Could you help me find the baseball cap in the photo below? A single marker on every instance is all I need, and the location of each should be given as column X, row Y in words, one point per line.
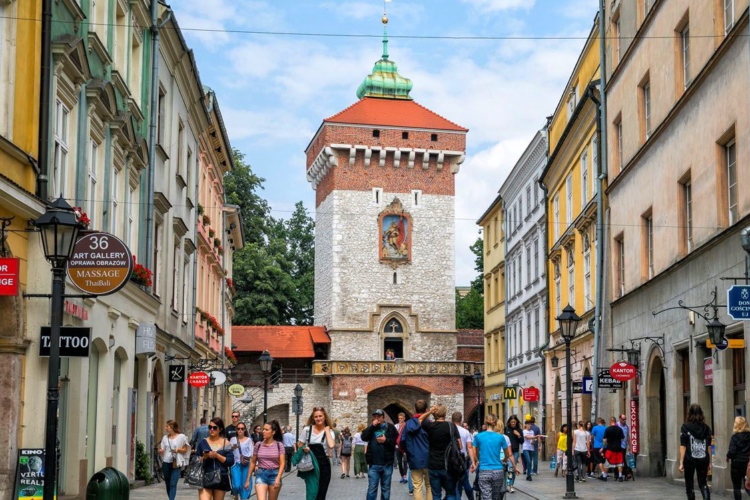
column 379, row 413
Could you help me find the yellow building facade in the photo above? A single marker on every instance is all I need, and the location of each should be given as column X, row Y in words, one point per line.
column 570, row 180
column 494, row 307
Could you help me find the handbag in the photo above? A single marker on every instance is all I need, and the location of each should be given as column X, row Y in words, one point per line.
column 305, row 463
column 194, row 476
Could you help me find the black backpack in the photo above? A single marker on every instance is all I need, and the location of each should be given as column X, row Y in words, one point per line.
column 455, row 464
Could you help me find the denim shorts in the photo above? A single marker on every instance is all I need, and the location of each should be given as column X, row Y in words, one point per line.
column 266, row 476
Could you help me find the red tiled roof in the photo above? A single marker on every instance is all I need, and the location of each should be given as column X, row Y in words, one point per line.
column 393, row 113
column 280, row 341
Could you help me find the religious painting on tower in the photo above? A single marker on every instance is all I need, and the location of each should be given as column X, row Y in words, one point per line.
column 395, row 234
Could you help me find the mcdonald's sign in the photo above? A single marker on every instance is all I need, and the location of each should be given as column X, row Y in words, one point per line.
column 510, row 393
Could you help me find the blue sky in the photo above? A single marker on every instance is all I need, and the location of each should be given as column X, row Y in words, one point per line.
column 275, row 90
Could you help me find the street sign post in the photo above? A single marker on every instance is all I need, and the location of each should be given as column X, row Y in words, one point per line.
column 738, row 302
column 101, row 264
column 588, row 385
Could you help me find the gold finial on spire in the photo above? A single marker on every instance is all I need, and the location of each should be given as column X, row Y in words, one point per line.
column 385, row 12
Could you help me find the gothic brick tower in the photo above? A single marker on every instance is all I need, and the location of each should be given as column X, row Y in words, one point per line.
column 383, row 171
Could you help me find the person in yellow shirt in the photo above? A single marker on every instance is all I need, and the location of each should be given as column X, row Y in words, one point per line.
column 562, row 448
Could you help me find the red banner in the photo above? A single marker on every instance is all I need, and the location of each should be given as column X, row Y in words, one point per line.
column 9, row 271
column 633, row 438
column 531, row 394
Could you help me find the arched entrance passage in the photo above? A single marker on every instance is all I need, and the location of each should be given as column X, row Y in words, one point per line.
column 395, row 399
column 558, row 417
column 586, row 400
column 279, row 413
column 654, row 442
column 157, row 407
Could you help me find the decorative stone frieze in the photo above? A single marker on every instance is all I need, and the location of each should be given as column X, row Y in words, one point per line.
column 396, row 368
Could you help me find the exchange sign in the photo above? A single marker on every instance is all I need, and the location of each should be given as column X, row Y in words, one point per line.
column 101, row 264
column 622, row 371
column 9, row 269
column 199, row 379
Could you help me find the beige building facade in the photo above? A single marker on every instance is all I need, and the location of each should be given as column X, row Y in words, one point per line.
column 677, row 113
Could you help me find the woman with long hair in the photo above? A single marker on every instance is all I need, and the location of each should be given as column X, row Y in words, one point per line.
column 515, row 435
column 360, row 448
column 739, row 454
column 346, row 446
column 269, row 457
column 562, row 448
column 488, row 454
column 243, row 453
column 317, row 437
column 172, row 444
column 217, row 454
column 695, row 453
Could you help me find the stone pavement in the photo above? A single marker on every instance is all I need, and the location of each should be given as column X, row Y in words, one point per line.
column 543, row 487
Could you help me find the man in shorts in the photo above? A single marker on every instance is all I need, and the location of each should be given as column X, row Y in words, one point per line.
column 597, row 436
column 614, row 455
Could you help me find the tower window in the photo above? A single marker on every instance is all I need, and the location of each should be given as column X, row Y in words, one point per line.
column 395, row 278
column 376, row 133
column 417, row 195
column 377, row 195
column 393, row 349
column 433, row 137
column 404, row 135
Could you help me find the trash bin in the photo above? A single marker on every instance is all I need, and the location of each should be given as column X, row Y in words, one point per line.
column 108, row 484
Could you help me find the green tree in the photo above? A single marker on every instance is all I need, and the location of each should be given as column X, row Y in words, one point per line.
column 300, row 238
column 470, row 308
column 241, row 188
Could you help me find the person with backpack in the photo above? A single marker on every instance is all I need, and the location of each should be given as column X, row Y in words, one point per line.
column 381, row 438
column 413, row 441
column 445, row 453
column 695, row 453
column 345, row 451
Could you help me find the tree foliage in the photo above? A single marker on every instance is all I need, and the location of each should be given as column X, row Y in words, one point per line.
column 470, row 308
column 274, row 272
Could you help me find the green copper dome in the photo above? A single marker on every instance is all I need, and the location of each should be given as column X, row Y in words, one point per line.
column 385, row 80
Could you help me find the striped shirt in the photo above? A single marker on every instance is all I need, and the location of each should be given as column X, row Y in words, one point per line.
column 268, row 455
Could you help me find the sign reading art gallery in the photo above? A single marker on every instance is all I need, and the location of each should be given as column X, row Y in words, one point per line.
column 101, row 264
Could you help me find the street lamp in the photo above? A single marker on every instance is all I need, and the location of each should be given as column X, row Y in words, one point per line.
column 478, row 383
column 298, row 408
column 555, row 361
column 265, row 361
column 715, row 331
column 59, row 229
column 634, row 355
column 568, row 322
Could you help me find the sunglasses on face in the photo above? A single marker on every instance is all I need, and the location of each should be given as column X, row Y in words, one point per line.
column 241, row 429
column 213, row 428
column 235, row 416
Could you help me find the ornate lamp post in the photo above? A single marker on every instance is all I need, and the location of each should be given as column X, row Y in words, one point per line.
column 298, row 406
column 265, row 361
column 568, row 322
column 478, row 383
column 59, row 228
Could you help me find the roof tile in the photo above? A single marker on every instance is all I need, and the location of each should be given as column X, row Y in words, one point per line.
column 393, row 113
column 280, row 341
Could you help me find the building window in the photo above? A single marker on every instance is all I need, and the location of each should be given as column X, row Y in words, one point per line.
column 114, row 196
column 536, row 258
column 404, row 135
column 648, row 242
column 180, row 143
column 536, row 191
column 188, row 164
column 157, row 258
column 685, row 54
column 130, row 237
column 528, row 200
column 556, row 216
column 528, row 265
column 618, row 142
column 377, row 195
column 417, row 195
column 557, row 289
column 728, row 15
column 528, row 331
column 571, row 280
column 520, row 209
column 433, row 137
column 646, row 89
column 91, row 184
column 616, row 38
column 687, row 196
column 161, row 112
column 586, row 272
column 584, row 179
column 185, row 295
column 536, row 327
column 572, row 101
column 620, row 283
column 175, row 275
column 569, row 200
column 62, row 122
column 730, row 153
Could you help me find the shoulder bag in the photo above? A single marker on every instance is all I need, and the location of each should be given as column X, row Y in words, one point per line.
column 218, row 478
column 194, row 476
column 305, row 463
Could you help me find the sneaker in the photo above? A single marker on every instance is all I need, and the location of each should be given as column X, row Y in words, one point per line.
column 343, row 476
column 512, row 489
column 347, row 476
column 603, row 478
column 411, row 493
column 583, row 479
column 620, row 479
column 591, row 475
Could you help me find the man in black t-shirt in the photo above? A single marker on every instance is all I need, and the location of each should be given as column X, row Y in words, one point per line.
column 231, row 430
column 612, row 451
column 381, row 448
column 439, row 436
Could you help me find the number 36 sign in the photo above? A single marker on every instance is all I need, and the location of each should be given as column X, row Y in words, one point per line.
column 101, row 264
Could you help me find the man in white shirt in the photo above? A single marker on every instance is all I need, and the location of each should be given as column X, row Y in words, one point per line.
column 581, row 450
column 466, row 445
column 290, row 443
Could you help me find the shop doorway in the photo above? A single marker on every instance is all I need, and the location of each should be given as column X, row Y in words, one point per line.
column 654, row 442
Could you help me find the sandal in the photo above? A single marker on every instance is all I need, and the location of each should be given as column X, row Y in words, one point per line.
column 343, row 476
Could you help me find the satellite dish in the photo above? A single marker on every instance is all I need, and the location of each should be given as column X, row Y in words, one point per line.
column 218, row 377
column 247, row 399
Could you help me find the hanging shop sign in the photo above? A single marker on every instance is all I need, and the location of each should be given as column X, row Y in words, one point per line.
column 708, row 371
column 9, row 272
column 578, row 387
column 145, row 339
column 199, row 379
column 510, row 393
column 622, row 371
column 531, row 394
column 74, row 341
column 607, row 382
column 101, row 264
column 236, row 390
column 176, row 373
column 633, row 438
column 30, row 474
column 738, row 302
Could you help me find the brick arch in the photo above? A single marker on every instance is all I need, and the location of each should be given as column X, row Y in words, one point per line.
column 431, row 385
column 395, row 398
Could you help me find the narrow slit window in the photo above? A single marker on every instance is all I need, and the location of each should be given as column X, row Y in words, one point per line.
column 376, row 133
column 404, row 135
column 395, row 278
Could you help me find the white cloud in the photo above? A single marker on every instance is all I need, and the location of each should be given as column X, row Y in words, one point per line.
column 497, row 5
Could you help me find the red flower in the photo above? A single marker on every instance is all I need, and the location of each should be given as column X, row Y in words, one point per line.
column 141, row 275
column 230, row 355
column 82, row 218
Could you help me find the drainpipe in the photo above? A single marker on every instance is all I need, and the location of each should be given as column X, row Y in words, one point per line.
column 505, row 312
column 152, row 125
column 545, row 258
column 600, row 228
column 45, row 89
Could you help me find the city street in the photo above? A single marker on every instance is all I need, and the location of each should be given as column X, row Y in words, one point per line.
column 544, row 486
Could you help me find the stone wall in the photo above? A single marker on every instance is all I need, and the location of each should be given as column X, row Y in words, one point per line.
column 351, row 281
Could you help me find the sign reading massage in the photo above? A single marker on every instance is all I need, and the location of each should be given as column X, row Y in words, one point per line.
column 101, row 264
